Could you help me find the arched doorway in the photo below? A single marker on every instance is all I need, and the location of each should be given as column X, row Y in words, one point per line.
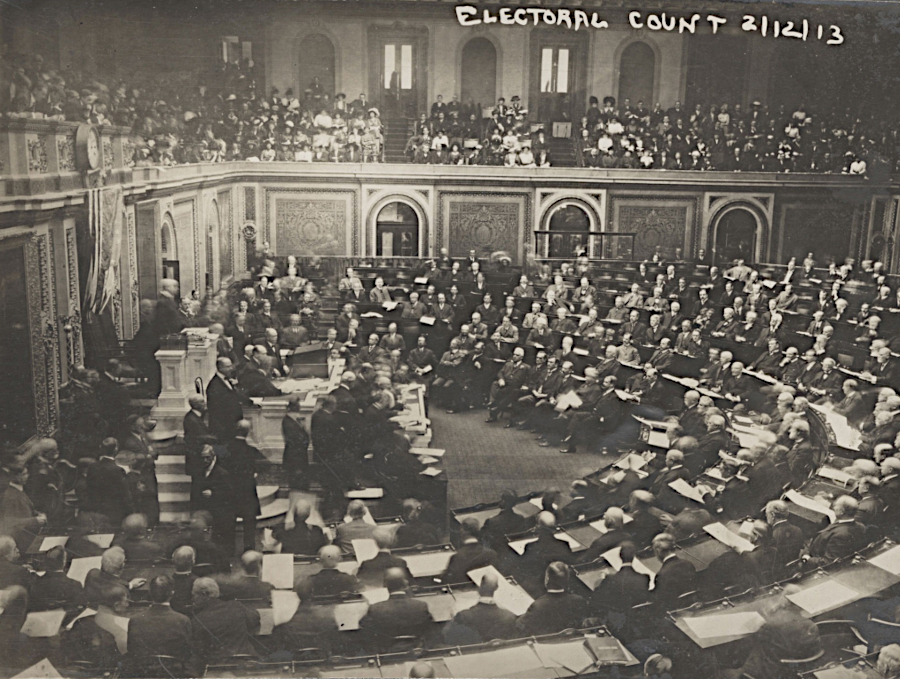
column 573, row 225
column 736, row 236
column 316, row 60
column 637, row 72
column 479, row 73
column 168, row 248
column 397, row 231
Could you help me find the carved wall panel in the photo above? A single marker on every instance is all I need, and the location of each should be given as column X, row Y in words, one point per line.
column 312, row 222
column 484, row 222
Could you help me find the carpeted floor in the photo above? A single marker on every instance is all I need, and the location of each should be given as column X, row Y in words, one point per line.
column 482, row 459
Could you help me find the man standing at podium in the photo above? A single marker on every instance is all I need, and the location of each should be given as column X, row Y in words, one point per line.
column 224, row 401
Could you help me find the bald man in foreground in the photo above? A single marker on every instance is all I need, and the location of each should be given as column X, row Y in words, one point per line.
column 485, row 620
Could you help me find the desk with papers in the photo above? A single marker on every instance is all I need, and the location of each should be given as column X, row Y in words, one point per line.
column 824, row 591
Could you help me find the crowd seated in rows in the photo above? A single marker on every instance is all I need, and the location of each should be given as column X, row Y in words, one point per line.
column 733, row 139
column 221, row 115
column 458, row 135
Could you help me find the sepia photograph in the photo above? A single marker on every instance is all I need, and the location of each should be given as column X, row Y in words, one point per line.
column 467, row 339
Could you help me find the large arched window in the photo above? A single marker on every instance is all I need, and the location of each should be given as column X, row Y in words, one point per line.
column 479, row 73
column 637, row 71
column 569, row 226
column 316, row 60
column 397, row 231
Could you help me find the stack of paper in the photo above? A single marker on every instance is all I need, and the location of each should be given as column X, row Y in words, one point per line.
column 428, row 564
column 729, row 539
column 79, row 568
column 43, row 624
column 278, row 570
column 43, row 670
column 49, row 543
column 823, row 597
column 364, row 549
column 284, row 605
column 836, row 475
column 685, row 489
column 102, row 540
column 888, row 561
column 809, row 503
column 513, row 599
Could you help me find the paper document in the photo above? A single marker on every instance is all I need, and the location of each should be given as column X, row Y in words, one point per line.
column 364, row 549
column 365, row 494
column 43, row 624
column 441, row 606
column 514, row 599
column 348, row 567
column 568, row 400
column 371, row 314
column 428, row 564
column 657, row 439
column 427, row 320
column 808, row 503
column 574, row 545
column 389, row 306
column 43, row 670
column 888, row 561
column 823, row 597
column 86, row 613
column 426, row 459
column 374, row 596
column 685, row 489
column 51, row 542
column 836, row 475
column 570, row 655
column 278, row 570
column 102, row 540
column 79, row 568
column 431, row 452
column 499, row 662
column 431, row 471
column 518, row 546
column 284, row 605
column 729, row 539
column 348, row 614
column 421, row 280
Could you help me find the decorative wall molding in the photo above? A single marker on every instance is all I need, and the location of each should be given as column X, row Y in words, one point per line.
column 486, row 221
column 322, row 213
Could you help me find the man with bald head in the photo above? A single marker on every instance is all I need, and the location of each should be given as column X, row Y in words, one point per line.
column 329, row 581
column 183, row 559
column 421, row 670
column 399, row 616
column 248, row 584
column 540, row 553
column 614, row 521
column 470, row 555
column 484, row 621
column 371, row 572
column 196, row 430
column 355, row 529
column 557, row 608
column 839, row 539
column 220, row 629
column 168, row 319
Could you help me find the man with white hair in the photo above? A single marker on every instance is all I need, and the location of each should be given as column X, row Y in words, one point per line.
column 839, row 539
column 220, row 629
column 169, row 319
column 506, row 387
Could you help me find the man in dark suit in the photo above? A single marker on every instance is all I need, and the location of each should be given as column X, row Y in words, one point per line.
column 169, row 320
column 484, row 621
column 557, row 609
column 12, row 573
column 106, row 489
column 675, row 576
column 247, row 585
column 224, row 401
column 372, row 353
column 839, row 539
column 541, row 553
column 787, row 539
column 470, row 555
column 371, row 572
column 415, row 529
column 183, row 559
column 303, row 538
column 196, row 432
column 54, row 589
column 158, row 630
column 614, row 520
column 508, row 383
column 255, row 377
column 241, row 464
column 625, row 588
column 211, row 491
column 802, row 456
column 399, row 616
column 329, row 442
column 220, row 629
column 507, row 522
column 273, row 351
column 295, row 459
column 668, row 499
column 329, row 581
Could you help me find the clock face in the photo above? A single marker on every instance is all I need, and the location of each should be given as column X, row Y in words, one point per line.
column 93, row 149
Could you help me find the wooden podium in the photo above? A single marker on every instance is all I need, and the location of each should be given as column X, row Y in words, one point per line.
column 181, row 367
column 310, row 360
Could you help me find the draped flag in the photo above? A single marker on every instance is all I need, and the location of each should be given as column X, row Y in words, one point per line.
column 106, row 217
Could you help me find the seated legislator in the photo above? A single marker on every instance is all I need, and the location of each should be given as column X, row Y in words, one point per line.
column 355, row 529
column 329, row 581
column 470, row 555
column 371, row 572
column 675, row 577
column 158, row 630
column 510, row 379
column 54, row 589
column 558, row 608
column 840, row 539
column 302, row 538
column 220, row 629
column 400, row 616
column 626, row 587
column 484, row 621
column 415, row 529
